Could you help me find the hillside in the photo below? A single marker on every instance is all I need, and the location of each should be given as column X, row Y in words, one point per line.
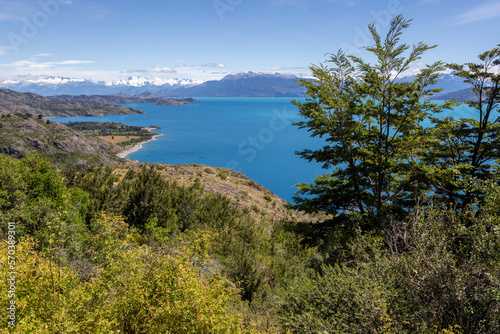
column 114, row 98
column 462, row 95
column 243, row 192
column 21, row 134
column 29, row 103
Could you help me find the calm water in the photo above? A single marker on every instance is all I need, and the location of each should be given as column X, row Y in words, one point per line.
column 251, row 135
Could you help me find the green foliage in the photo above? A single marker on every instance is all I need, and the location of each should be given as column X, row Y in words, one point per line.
column 97, row 182
column 372, row 128
column 440, row 275
column 345, row 300
column 469, row 146
column 223, row 175
column 42, row 180
column 43, row 292
column 33, row 194
column 449, row 271
column 432, row 194
column 112, row 129
column 139, row 291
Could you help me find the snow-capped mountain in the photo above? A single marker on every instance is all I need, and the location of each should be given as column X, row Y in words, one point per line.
column 54, row 85
column 141, row 82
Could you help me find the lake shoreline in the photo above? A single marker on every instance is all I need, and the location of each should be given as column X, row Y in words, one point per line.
column 137, row 147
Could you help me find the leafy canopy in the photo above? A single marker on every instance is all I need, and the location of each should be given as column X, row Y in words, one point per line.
column 371, row 120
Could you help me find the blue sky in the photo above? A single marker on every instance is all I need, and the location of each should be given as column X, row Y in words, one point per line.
column 207, row 39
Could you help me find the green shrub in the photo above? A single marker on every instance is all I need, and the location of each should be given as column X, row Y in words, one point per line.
column 223, row 175
column 345, row 299
column 139, row 291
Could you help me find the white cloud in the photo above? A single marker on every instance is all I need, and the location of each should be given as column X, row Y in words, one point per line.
column 283, row 68
column 154, row 70
column 5, row 49
column 34, row 65
column 41, row 55
column 213, row 65
column 73, row 62
column 483, row 12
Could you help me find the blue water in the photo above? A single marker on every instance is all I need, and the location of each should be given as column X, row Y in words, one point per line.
column 251, row 135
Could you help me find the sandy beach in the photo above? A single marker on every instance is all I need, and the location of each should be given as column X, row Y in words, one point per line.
column 137, row 147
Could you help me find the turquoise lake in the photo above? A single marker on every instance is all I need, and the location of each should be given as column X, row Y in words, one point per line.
column 254, row 136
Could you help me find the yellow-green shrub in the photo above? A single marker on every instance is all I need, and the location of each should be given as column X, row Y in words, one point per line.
column 139, row 290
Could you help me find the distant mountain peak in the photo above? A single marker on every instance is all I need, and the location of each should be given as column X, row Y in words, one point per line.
column 60, row 85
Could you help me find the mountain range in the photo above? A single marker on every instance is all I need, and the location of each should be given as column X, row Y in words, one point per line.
column 247, row 84
column 145, row 97
column 462, row 95
column 52, row 85
column 233, row 85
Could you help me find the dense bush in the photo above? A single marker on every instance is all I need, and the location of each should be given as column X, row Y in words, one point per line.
column 438, row 271
column 139, row 291
column 106, row 251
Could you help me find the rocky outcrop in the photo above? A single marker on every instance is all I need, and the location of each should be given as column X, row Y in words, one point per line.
column 21, row 134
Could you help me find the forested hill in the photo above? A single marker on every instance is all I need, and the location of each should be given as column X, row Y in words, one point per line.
column 462, row 95
column 29, row 103
column 113, row 98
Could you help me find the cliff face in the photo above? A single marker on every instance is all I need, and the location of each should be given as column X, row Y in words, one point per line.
column 29, row 103
column 21, row 134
